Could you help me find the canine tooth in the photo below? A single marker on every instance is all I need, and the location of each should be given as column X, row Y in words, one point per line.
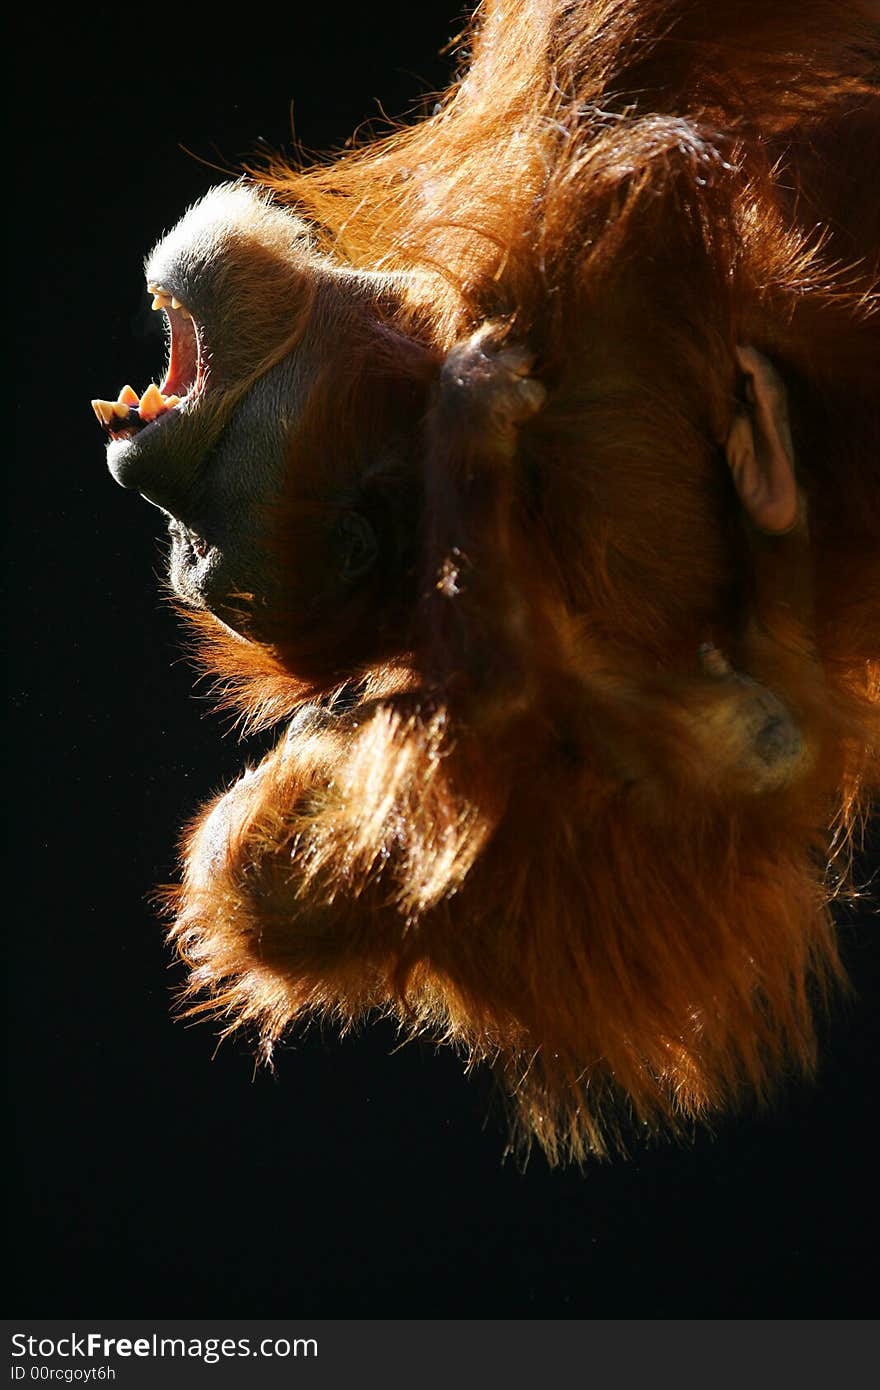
column 161, row 300
column 128, row 396
column 175, row 303
column 152, row 403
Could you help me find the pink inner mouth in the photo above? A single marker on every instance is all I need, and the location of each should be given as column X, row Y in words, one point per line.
column 183, row 378
column 184, row 360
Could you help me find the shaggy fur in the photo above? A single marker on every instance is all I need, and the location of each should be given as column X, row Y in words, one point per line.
column 512, row 806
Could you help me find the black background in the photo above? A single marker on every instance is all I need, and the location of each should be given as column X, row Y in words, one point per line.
column 155, row 1174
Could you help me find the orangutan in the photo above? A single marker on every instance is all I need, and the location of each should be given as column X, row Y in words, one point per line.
column 522, row 468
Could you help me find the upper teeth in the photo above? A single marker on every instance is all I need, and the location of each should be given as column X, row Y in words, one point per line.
column 149, row 406
column 153, row 403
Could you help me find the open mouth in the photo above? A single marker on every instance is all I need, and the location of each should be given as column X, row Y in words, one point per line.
column 184, row 378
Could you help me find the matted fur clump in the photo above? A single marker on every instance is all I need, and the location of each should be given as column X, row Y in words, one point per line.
column 523, row 468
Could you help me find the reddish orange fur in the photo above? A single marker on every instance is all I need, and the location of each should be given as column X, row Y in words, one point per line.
column 518, row 839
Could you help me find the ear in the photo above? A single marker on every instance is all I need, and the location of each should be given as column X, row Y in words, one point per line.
column 759, row 448
column 356, row 546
